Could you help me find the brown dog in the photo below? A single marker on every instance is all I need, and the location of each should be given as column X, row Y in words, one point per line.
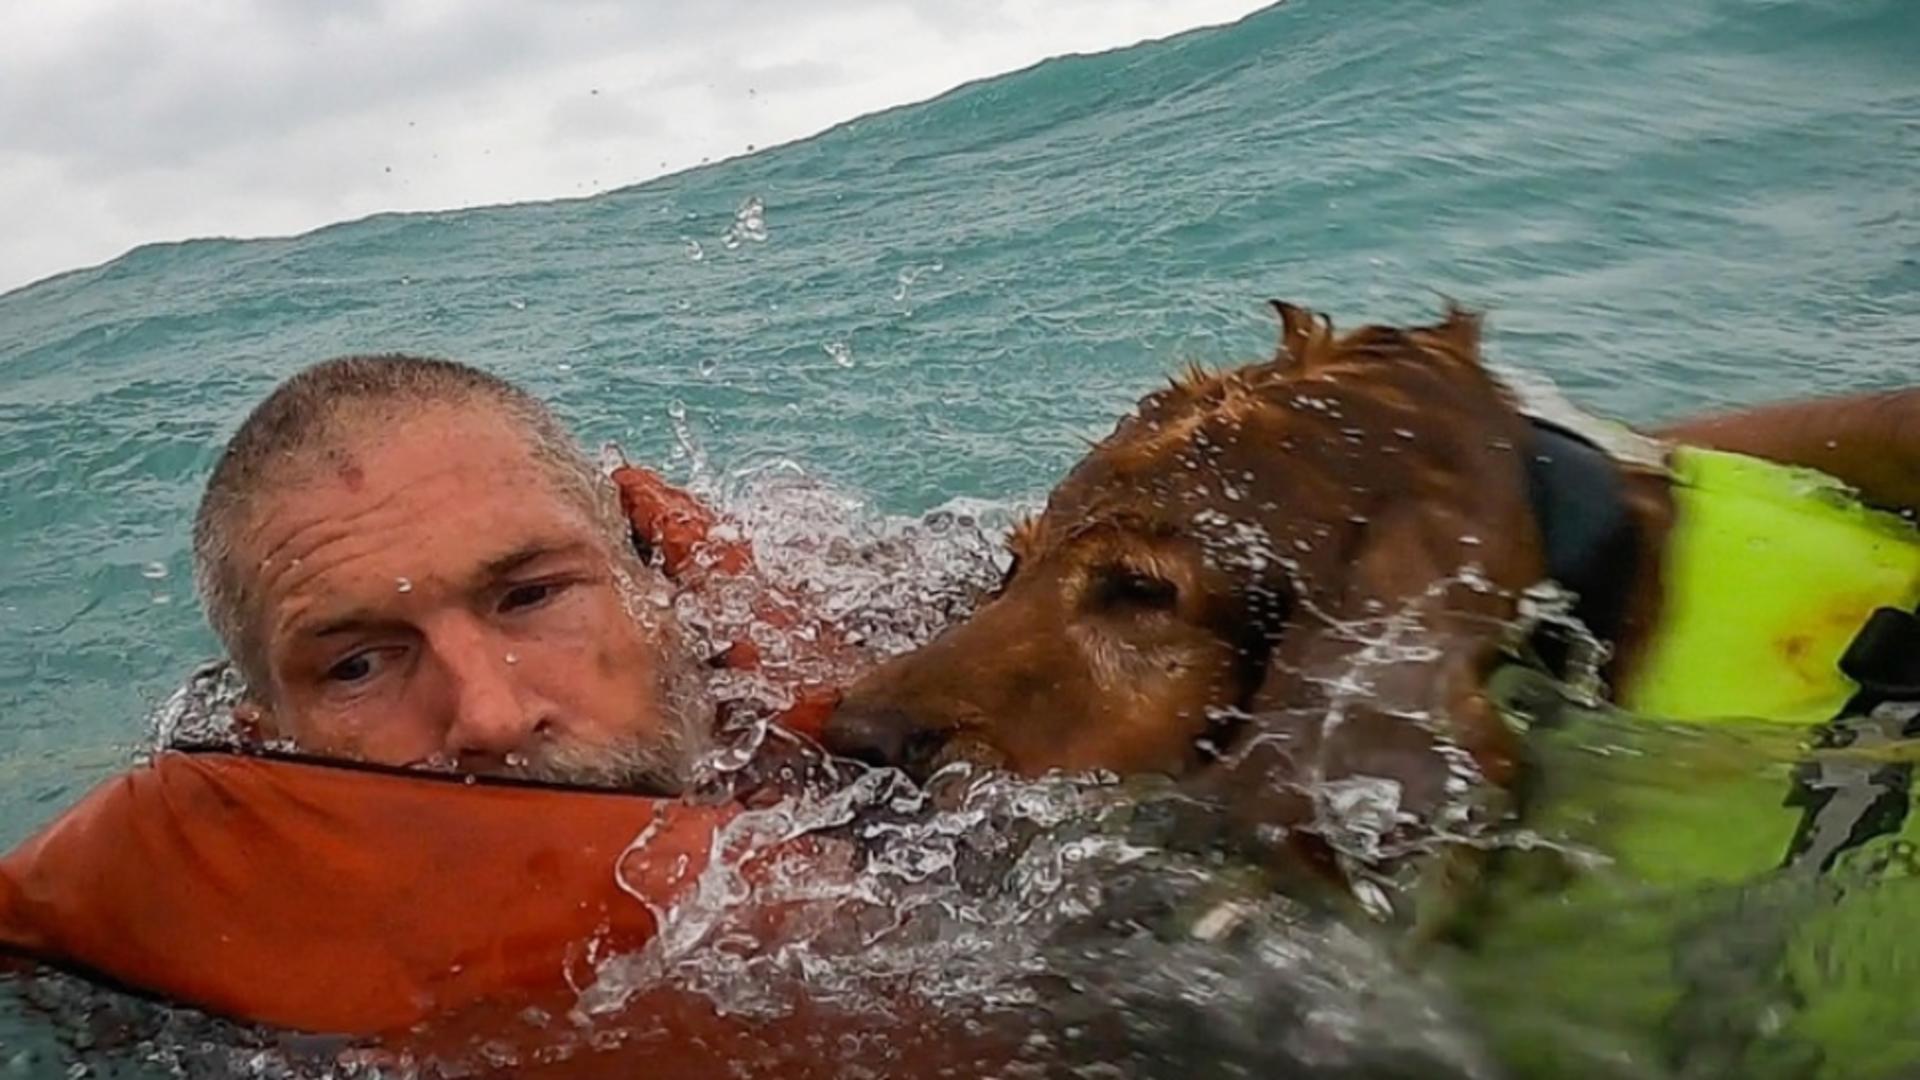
column 1299, row 573
column 1310, row 561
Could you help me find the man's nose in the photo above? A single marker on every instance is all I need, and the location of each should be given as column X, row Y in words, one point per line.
column 492, row 718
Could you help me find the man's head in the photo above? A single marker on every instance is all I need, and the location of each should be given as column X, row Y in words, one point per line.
column 412, row 562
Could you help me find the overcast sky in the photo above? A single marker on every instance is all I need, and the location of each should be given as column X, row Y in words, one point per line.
column 129, row 121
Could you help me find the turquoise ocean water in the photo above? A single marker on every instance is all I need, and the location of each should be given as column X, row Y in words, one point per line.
column 1665, row 206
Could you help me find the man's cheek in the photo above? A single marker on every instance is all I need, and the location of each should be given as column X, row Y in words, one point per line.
column 606, row 664
column 594, row 645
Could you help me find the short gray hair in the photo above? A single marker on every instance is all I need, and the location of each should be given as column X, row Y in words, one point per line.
column 309, row 415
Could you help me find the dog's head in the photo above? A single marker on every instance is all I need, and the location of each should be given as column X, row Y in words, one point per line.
column 1347, row 522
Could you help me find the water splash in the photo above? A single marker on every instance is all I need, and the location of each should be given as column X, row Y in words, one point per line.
column 200, row 712
column 686, row 446
column 1057, row 909
column 749, row 225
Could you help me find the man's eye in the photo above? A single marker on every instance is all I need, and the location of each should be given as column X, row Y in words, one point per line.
column 354, row 669
column 526, row 596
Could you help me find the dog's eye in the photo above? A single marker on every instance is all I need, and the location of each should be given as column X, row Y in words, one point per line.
column 1132, row 590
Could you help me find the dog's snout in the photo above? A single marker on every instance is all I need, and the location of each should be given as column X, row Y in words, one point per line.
column 876, row 736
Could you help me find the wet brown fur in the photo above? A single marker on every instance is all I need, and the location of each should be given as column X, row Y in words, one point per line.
column 1197, row 579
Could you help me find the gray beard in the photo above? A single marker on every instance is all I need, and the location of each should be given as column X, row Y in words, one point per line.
column 663, row 764
column 665, row 760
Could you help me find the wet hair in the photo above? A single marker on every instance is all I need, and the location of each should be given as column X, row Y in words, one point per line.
column 316, row 414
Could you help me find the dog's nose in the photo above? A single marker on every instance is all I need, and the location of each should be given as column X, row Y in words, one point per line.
column 876, row 736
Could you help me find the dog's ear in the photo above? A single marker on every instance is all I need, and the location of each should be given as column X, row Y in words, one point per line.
column 1457, row 335
column 1304, row 333
column 1383, row 674
column 1377, row 692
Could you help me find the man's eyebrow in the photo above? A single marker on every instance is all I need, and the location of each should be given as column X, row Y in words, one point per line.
column 351, row 623
column 494, row 569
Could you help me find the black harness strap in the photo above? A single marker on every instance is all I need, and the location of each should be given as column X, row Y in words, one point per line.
column 1885, row 659
column 1580, row 504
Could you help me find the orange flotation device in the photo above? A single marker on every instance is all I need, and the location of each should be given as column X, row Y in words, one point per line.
column 335, row 898
column 428, row 916
column 681, row 533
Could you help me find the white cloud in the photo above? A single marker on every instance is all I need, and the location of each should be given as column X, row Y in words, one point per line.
column 124, row 122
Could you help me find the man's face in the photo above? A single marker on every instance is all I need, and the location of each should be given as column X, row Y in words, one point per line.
column 427, row 594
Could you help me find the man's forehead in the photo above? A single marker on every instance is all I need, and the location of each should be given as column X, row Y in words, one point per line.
column 328, row 570
column 383, row 452
column 440, row 429
column 325, row 612
column 432, row 476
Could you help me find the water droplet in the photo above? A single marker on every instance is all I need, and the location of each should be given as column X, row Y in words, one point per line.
column 677, row 409
column 694, row 251
column 841, row 352
column 707, row 366
column 564, row 366
column 513, row 658
column 154, row 571
column 402, row 585
column 162, row 599
column 516, row 760
column 517, row 304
